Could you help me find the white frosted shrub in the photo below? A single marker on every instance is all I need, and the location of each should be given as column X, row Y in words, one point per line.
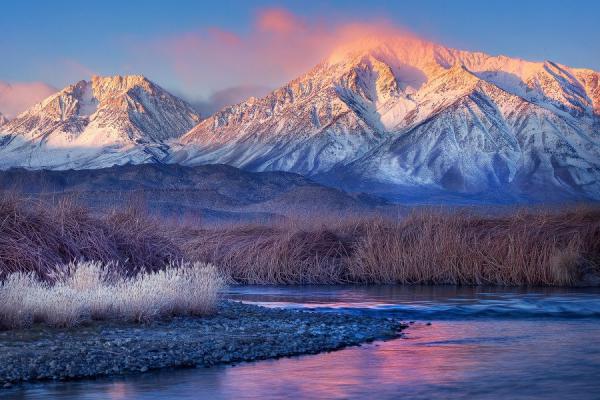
column 87, row 291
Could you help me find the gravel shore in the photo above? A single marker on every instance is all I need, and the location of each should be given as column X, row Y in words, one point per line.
column 237, row 332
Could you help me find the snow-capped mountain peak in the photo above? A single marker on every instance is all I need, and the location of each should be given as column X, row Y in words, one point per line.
column 390, row 114
column 106, row 120
column 405, row 112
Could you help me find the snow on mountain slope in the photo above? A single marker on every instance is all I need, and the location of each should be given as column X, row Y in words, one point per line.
column 474, row 145
column 97, row 123
column 326, row 130
column 3, row 119
column 405, row 112
column 393, row 115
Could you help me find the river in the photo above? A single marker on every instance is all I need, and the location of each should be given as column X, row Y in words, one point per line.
column 464, row 343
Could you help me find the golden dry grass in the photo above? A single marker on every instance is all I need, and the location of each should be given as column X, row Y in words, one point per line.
column 547, row 247
column 523, row 247
column 37, row 236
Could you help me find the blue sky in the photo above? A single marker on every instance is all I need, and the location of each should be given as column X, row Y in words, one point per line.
column 60, row 42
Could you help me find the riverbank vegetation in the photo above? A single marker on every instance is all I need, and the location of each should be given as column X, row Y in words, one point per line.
column 547, row 247
column 86, row 291
column 522, row 247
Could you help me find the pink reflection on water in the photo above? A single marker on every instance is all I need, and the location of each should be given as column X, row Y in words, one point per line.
column 117, row 391
column 425, row 357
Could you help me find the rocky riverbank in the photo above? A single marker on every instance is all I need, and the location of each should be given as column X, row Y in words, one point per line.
column 237, row 332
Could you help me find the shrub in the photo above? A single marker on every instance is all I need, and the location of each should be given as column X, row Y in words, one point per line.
column 90, row 291
column 559, row 247
column 36, row 236
column 521, row 247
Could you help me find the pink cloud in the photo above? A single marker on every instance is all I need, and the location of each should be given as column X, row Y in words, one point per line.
column 18, row 96
column 225, row 37
column 279, row 20
column 228, row 96
column 279, row 47
column 74, row 70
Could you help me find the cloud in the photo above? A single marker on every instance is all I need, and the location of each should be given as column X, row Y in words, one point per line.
column 75, row 70
column 279, row 21
column 18, row 96
column 227, row 97
column 278, row 47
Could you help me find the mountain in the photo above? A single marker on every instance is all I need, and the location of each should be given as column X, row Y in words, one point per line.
column 212, row 192
column 3, row 119
column 395, row 116
column 97, row 123
column 403, row 116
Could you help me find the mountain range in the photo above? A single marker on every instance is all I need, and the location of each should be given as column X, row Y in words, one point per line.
column 210, row 192
column 95, row 124
column 400, row 117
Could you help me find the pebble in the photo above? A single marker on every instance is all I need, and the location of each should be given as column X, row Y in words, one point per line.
column 236, row 332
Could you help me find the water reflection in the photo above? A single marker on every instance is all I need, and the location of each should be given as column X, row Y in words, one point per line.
column 485, row 356
column 438, row 302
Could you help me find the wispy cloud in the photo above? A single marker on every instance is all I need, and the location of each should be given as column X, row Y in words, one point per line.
column 228, row 96
column 16, row 97
column 280, row 21
column 279, row 46
column 75, row 70
column 213, row 66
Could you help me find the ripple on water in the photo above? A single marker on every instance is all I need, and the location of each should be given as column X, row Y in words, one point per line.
column 482, row 344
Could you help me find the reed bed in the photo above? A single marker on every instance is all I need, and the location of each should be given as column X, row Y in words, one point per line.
column 515, row 247
column 36, row 236
column 522, row 247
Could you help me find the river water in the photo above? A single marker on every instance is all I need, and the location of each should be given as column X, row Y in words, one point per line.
column 482, row 343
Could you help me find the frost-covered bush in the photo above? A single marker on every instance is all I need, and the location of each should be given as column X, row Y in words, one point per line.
column 90, row 291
